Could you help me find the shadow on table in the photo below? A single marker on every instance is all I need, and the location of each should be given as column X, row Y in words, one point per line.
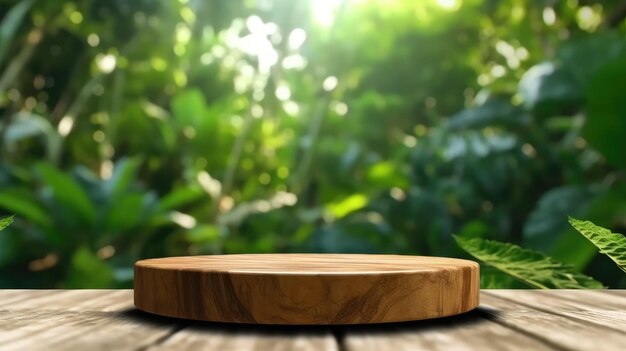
column 479, row 315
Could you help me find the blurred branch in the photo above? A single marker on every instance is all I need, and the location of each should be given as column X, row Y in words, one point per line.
column 239, row 213
column 235, row 155
column 17, row 63
column 233, row 164
column 67, row 122
column 61, row 106
column 119, row 83
column 302, row 173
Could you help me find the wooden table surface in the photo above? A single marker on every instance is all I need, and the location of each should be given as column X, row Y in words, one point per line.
column 506, row 320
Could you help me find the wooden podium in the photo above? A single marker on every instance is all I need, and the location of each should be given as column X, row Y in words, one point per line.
column 315, row 289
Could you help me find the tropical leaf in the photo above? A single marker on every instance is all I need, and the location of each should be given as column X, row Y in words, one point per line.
column 531, row 267
column 611, row 244
column 547, row 89
column 5, row 222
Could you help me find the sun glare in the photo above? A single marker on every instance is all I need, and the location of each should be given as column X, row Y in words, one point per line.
column 450, row 5
column 324, row 11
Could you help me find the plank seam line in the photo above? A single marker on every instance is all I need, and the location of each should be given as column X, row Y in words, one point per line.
column 163, row 338
column 593, row 292
column 527, row 333
column 339, row 337
column 579, row 319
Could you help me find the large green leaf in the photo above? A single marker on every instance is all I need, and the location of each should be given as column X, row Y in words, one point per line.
column 531, row 267
column 547, row 89
column 5, row 222
column 67, row 192
column 611, row 244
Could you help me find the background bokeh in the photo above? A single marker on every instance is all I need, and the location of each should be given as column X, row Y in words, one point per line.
column 134, row 129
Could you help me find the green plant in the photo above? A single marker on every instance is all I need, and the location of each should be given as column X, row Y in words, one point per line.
column 539, row 271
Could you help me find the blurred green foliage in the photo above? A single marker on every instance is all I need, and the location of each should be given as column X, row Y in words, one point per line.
column 147, row 128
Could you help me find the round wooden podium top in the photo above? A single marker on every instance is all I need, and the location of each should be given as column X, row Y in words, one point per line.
column 306, row 288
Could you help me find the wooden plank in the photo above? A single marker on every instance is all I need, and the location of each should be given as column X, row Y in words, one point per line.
column 210, row 336
column 9, row 298
column 69, row 300
column 616, row 295
column 567, row 300
column 470, row 331
column 514, row 319
column 592, row 306
column 55, row 330
column 77, row 320
column 536, row 317
column 107, row 320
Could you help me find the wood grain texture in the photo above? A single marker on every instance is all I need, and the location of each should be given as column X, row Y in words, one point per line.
column 514, row 320
column 107, row 320
column 208, row 337
column 312, row 289
column 551, row 321
column 471, row 331
column 74, row 320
